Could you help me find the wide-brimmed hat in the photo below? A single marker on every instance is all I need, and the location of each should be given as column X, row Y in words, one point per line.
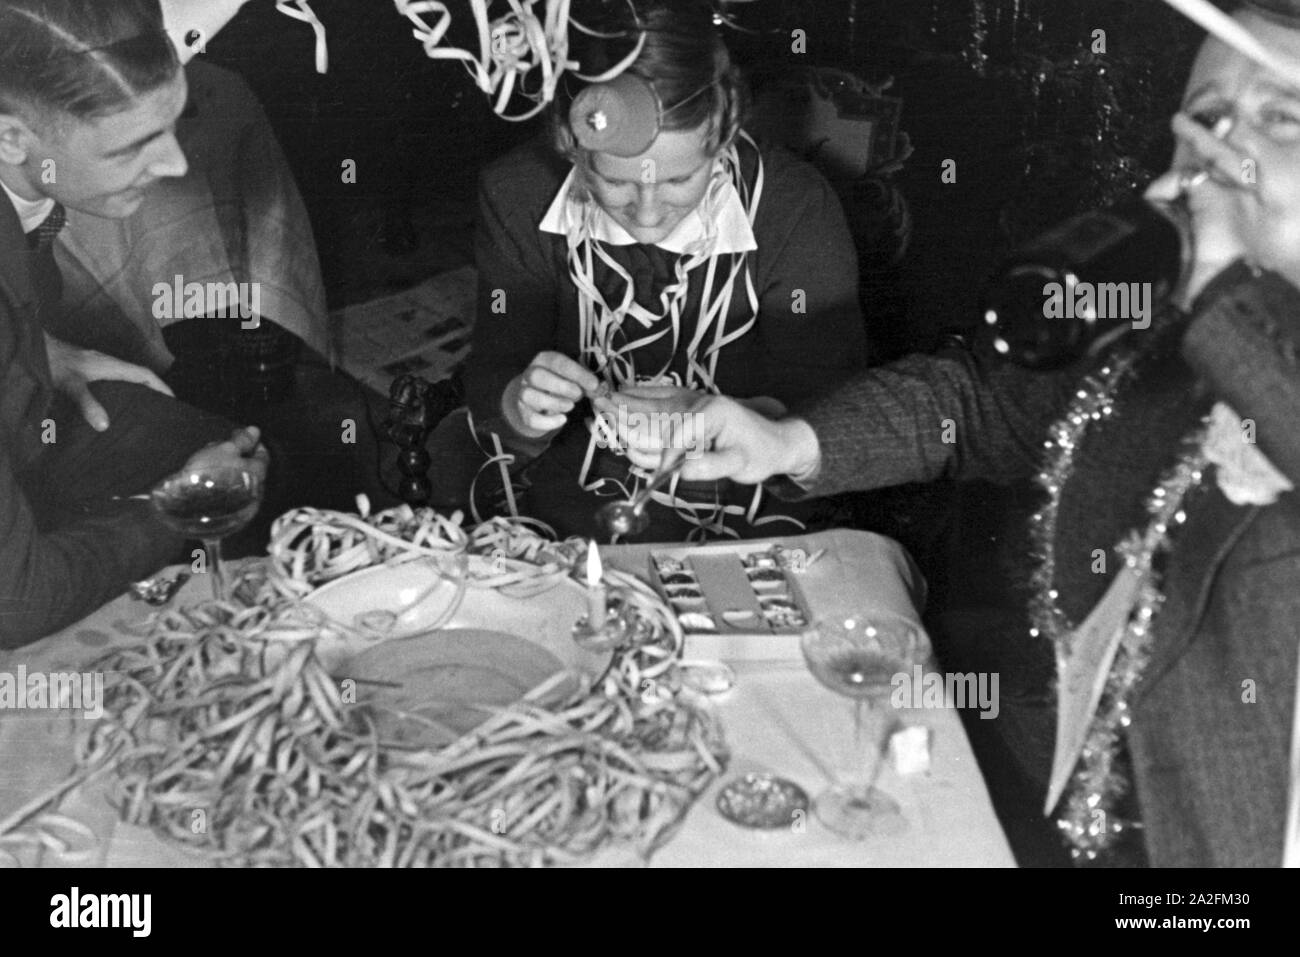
column 1287, row 11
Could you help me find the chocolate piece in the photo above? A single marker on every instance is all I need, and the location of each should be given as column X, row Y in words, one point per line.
column 684, row 591
column 708, row 677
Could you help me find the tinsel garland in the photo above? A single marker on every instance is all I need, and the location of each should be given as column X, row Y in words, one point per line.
column 1088, row 819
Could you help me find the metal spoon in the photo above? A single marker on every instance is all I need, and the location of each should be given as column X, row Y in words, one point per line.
column 621, row 519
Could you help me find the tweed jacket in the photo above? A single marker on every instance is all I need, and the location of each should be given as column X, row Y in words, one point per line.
column 1211, row 719
column 53, row 574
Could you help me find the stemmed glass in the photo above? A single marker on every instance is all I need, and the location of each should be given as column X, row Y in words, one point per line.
column 857, row 656
column 209, row 503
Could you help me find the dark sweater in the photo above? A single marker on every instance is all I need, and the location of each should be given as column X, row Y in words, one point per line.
column 803, row 247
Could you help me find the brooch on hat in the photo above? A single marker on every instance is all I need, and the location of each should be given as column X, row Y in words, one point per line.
column 620, row 117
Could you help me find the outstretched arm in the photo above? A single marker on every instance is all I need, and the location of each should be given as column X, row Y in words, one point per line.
column 914, row 420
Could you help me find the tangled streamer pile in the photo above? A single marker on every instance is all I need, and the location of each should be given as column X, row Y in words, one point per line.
column 223, row 731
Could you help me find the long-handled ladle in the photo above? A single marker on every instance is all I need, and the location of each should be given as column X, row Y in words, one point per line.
column 628, row 517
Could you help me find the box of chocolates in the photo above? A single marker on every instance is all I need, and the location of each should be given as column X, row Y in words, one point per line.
column 734, row 600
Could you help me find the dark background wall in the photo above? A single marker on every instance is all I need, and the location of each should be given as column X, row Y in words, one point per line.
column 1038, row 124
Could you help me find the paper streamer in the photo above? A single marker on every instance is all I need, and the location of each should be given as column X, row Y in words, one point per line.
column 301, row 10
column 510, row 48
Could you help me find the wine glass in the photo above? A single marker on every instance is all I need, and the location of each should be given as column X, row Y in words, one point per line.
column 858, row 656
column 209, row 503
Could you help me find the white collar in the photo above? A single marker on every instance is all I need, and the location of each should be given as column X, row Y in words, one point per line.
column 31, row 213
column 735, row 235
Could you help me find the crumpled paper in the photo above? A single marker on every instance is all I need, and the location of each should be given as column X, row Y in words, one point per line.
column 1244, row 474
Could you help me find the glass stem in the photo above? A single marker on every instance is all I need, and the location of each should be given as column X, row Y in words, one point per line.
column 870, row 756
column 213, row 547
column 863, row 785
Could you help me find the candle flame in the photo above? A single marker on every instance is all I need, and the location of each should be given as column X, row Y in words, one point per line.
column 594, row 570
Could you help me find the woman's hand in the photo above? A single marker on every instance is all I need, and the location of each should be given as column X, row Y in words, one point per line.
column 538, row 400
column 72, row 369
column 244, row 449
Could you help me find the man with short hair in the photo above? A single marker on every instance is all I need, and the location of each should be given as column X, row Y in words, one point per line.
column 89, row 97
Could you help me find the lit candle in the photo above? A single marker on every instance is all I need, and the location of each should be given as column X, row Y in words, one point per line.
column 595, row 590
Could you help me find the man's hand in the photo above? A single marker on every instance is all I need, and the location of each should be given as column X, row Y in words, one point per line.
column 1233, row 215
column 244, row 449
column 729, row 440
column 538, row 400
column 748, row 447
column 646, row 419
column 73, row 369
column 640, row 418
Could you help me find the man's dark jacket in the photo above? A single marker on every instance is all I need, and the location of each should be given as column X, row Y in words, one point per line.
column 60, row 560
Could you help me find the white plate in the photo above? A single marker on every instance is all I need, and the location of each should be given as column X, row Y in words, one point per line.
column 389, row 601
column 429, row 690
column 493, row 648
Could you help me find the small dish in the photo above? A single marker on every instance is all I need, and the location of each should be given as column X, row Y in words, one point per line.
column 762, row 802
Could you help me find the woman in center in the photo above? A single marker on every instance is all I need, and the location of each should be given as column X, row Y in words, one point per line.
column 650, row 248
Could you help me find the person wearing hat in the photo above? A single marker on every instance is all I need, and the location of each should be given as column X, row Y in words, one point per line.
column 1168, row 547
column 648, row 249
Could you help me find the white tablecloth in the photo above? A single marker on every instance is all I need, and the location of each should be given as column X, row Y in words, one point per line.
column 777, row 719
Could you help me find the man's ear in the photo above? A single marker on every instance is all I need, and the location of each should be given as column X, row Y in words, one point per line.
column 16, row 139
